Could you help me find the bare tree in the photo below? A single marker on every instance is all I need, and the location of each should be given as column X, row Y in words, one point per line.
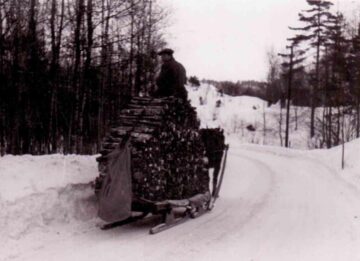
column 69, row 67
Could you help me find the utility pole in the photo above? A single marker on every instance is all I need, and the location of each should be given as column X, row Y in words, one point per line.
column 289, row 68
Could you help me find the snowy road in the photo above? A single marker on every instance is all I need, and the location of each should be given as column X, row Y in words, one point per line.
column 273, row 206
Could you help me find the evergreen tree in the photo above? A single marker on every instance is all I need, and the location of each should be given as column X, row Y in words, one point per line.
column 194, row 81
column 354, row 75
column 336, row 90
column 314, row 32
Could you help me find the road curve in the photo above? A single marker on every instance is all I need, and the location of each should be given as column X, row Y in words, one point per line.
column 271, row 207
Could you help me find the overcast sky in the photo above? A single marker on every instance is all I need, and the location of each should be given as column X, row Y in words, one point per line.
column 228, row 39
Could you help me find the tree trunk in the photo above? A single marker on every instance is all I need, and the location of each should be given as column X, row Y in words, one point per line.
column 131, row 56
column 357, row 116
column 2, row 87
column 280, row 126
column 289, row 97
column 343, row 140
column 79, row 13
column 56, row 39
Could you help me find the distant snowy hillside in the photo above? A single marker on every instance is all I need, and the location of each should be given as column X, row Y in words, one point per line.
column 217, row 110
column 249, row 118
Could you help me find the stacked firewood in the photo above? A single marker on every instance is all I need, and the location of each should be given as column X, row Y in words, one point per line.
column 167, row 152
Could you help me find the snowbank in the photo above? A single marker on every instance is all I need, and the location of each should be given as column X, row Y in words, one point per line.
column 333, row 158
column 37, row 192
column 352, row 155
column 24, row 175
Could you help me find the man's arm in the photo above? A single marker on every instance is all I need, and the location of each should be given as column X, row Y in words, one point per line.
column 180, row 74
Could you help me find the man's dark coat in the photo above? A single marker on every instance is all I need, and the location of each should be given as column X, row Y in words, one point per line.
column 171, row 80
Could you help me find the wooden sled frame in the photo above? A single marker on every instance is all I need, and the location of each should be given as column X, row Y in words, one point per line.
column 173, row 212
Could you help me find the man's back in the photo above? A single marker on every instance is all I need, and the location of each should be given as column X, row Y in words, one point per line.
column 172, row 79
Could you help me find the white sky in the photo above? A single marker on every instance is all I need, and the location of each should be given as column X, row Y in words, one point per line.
column 228, row 39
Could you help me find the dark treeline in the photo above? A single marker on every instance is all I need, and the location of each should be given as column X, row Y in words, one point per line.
column 329, row 79
column 68, row 67
column 249, row 88
column 268, row 91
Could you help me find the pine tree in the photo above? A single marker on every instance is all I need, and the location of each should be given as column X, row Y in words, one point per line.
column 354, row 72
column 335, row 87
column 314, row 30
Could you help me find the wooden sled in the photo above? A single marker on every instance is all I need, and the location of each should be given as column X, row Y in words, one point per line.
column 173, row 212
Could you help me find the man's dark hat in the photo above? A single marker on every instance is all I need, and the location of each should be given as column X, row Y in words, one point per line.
column 166, row 51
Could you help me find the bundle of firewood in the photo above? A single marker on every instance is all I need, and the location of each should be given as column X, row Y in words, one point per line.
column 167, row 152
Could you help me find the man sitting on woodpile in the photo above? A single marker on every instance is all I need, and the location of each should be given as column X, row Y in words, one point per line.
column 172, row 78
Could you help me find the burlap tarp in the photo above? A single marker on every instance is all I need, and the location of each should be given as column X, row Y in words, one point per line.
column 116, row 192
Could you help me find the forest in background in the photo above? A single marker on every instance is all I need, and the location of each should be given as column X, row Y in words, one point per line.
column 68, row 67
column 320, row 67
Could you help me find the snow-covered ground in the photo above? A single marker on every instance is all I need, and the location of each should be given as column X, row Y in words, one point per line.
column 275, row 204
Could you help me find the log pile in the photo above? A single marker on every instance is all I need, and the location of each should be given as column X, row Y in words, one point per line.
column 167, row 152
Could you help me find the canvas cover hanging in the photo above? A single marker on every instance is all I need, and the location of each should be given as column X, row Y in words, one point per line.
column 116, row 192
